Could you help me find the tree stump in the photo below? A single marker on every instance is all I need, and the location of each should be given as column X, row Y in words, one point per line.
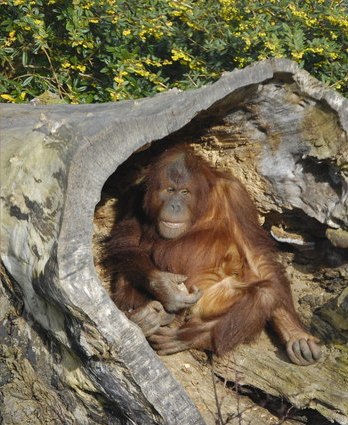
column 55, row 160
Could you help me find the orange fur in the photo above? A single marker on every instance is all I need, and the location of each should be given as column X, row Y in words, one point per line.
column 225, row 253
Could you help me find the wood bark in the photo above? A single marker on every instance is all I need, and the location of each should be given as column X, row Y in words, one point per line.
column 55, row 160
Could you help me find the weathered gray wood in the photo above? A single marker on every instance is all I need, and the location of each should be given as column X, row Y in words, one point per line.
column 54, row 162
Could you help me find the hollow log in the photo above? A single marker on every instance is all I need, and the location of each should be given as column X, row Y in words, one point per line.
column 55, row 160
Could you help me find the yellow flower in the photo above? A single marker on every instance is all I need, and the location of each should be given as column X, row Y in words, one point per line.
column 181, row 56
column 166, row 62
column 242, row 61
column 66, row 65
column 115, row 96
column 10, row 39
column 340, row 22
column 38, row 37
column 333, row 55
column 297, row 55
column 80, row 68
column 229, row 9
column 88, row 44
column 8, row 97
column 315, row 50
column 118, row 79
column 126, row 32
column 76, row 43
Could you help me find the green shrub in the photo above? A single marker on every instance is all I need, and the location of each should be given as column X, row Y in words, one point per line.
column 97, row 51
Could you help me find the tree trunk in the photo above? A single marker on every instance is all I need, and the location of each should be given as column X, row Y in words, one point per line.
column 78, row 358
